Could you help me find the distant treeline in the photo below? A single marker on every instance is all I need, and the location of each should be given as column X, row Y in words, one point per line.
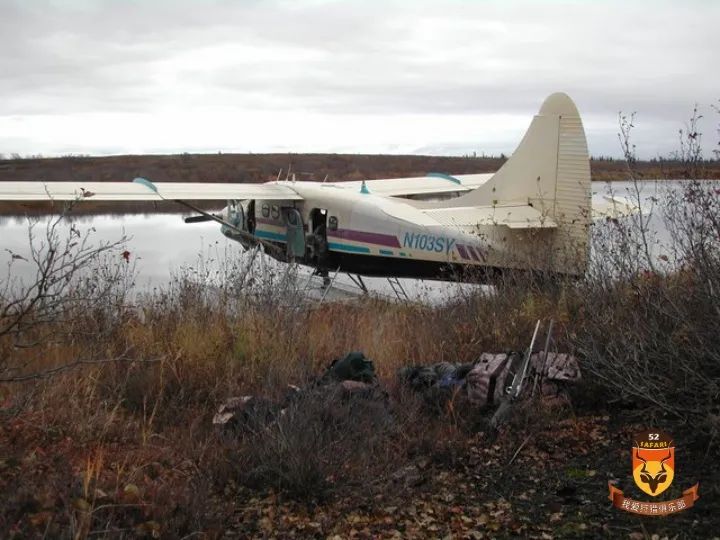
column 248, row 168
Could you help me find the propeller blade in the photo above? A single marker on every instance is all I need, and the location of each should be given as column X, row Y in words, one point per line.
column 212, row 217
column 198, row 219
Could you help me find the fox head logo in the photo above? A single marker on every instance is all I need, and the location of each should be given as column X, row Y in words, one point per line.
column 653, row 462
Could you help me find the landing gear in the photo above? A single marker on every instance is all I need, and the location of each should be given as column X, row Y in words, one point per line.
column 358, row 280
column 325, row 277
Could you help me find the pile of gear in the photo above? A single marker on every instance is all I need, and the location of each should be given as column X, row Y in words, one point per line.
column 494, row 380
column 489, row 380
column 350, row 377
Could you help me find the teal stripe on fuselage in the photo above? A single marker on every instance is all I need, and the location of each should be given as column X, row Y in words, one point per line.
column 271, row 235
column 347, row 247
column 386, row 252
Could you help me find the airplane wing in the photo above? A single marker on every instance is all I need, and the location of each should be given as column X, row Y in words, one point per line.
column 614, row 206
column 432, row 184
column 141, row 190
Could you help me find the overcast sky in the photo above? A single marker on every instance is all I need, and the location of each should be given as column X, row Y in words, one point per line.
column 451, row 77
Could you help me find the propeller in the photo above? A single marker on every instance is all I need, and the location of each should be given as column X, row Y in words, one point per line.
column 206, row 216
column 199, row 219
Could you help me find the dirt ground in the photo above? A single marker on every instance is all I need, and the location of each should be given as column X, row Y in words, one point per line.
column 551, row 485
column 522, row 482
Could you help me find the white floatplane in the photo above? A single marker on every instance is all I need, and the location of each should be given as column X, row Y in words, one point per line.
column 531, row 215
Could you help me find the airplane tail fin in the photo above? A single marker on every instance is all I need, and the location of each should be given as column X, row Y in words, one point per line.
column 550, row 171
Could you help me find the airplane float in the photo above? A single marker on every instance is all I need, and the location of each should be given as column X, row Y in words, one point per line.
column 532, row 215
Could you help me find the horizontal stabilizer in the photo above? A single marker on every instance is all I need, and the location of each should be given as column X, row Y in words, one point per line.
column 514, row 217
column 614, row 207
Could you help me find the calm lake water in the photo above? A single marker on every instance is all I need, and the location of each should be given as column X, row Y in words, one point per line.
column 162, row 244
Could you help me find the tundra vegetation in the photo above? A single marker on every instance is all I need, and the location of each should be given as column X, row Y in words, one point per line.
column 107, row 395
column 248, row 168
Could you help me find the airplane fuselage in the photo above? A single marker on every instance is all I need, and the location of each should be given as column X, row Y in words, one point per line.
column 355, row 231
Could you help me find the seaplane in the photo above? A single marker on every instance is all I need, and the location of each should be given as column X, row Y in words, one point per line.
column 532, row 215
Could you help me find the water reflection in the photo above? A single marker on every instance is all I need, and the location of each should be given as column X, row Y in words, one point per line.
column 159, row 243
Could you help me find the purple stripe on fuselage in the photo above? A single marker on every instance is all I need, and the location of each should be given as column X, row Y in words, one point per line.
column 472, row 253
column 461, row 250
column 388, row 240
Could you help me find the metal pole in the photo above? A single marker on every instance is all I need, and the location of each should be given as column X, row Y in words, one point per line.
column 539, row 374
column 518, row 386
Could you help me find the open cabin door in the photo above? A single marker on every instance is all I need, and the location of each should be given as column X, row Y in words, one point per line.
column 295, row 233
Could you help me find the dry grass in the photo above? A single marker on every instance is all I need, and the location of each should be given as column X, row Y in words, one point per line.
column 131, row 439
column 128, row 445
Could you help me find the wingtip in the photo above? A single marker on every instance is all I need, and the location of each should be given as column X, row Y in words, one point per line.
column 145, row 182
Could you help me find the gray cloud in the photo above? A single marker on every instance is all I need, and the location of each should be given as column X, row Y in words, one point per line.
column 388, row 60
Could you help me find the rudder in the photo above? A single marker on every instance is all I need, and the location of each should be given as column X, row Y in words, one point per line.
column 550, row 171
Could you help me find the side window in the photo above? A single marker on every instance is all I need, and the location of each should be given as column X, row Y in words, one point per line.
column 266, row 210
column 333, row 223
column 275, row 211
